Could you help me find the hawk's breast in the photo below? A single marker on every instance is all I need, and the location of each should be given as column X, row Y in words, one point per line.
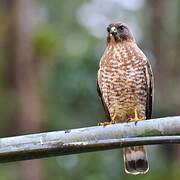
column 123, row 81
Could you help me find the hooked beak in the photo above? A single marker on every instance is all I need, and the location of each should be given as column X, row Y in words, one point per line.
column 113, row 31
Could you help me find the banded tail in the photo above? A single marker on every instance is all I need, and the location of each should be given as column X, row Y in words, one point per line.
column 135, row 160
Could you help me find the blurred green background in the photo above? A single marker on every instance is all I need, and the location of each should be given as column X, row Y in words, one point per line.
column 49, row 55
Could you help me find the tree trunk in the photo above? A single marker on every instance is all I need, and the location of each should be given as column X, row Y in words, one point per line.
column 165, row 75
column 21, row 77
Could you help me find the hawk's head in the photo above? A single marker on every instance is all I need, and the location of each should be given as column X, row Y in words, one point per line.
column 119, row 32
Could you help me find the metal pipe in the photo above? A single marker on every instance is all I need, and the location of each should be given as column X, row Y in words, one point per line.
column 154, row 131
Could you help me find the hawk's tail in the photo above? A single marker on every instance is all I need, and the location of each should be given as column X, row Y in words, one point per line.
column 135, row 160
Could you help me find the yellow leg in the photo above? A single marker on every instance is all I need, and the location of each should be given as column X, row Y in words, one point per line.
column 136, row 117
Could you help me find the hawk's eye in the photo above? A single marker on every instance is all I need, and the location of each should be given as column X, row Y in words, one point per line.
column 108, row 29
column 121, row 28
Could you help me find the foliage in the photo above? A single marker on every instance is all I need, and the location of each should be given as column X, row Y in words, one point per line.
column 70, row 52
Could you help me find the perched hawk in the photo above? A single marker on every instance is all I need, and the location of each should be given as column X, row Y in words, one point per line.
column 125, row 85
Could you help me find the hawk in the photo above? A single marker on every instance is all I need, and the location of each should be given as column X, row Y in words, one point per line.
column 125, row 86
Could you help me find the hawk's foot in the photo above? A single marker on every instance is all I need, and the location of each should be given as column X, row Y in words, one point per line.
column 136, row 117
column 106, row 123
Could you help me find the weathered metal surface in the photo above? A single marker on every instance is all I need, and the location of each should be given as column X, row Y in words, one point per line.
column 90, row 139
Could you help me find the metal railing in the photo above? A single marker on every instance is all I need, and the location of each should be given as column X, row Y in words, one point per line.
column 154, row 131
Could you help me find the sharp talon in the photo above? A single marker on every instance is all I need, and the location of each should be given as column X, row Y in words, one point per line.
column 135, row 120
column 105, row 123
column 101, row 124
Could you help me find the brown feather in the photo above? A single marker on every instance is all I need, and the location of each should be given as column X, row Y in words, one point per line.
column 150, row 84
column 103, row 103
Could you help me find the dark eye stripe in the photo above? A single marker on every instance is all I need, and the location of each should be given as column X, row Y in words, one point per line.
column 121, row 27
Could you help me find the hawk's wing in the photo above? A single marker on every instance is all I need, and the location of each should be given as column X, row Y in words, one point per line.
column 150, row 89
column 100, row 95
